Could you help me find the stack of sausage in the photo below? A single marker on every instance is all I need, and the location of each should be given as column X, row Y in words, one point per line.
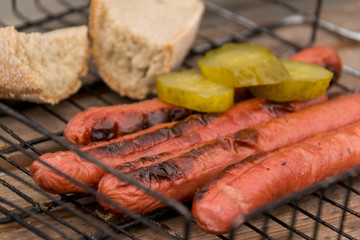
column 232, row 162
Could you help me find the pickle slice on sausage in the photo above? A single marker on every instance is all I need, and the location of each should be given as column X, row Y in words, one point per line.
column 191, row 90
column 242, row 65
column 307, row 81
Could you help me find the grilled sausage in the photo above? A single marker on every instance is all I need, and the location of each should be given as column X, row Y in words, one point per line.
column 167, row 137
column 158, row 158
column 255, row 181
column 323, row 56
column 163, row 156
column 105, row 123
column 180, row 177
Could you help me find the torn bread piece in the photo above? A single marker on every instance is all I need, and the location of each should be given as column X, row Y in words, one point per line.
column 42, row 67
column 135, row 41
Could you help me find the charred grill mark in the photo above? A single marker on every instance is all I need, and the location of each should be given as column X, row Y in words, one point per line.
column 176, row 114
column 200, row 193
column 278, row 109
column 205, row 119
column 101, row 134
column 172, row 170
column 196, row 152
column 188, row 159
column 252, row 158
column 155, row 118
column 154, row 157
column 165, row 115
column 126, row 165
column 104, row 130
column 129, row 166
column 127, row 147
column 122, row 148
column 246, row 138
column 109, row 128
column 113, row 126
column 168, row 171
column 148, row 140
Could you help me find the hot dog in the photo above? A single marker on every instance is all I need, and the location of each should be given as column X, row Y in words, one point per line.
column 255, row 181
column 105, row 123
column 180, row 177
column 163, row 156
column 158, row 158
column 164, row 138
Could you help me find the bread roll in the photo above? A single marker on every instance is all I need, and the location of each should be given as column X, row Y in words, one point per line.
column 135, row 41
column 42, row 67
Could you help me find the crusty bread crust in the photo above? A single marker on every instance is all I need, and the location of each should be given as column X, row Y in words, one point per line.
column 18, row 81
column 96, row 8
column 175, row 50
column 96, row 14
column 184, row 40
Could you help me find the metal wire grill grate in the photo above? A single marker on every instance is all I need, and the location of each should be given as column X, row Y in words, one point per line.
column 29, row 130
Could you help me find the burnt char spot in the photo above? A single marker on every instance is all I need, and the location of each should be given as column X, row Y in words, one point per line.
column 246, row 138
column 183, row 126
column 278, row 109
column 122, row 148
column 196, row 152
column 252, row 158
column 167, row 171
column 127, row 147
column 155, row 118
column 205, row 119
column 188, row 159
column 148, row 140
column 108, row 129
column 127, row 165
column 153, row 158
column 179, row 113
column 101, row 134
column 104, row 130
column 146, row 159
column 165, row 115
column 200, row 193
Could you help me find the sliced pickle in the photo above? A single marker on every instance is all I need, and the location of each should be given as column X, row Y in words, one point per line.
column 307, row 81
column 242, row 65
column 191, row 90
